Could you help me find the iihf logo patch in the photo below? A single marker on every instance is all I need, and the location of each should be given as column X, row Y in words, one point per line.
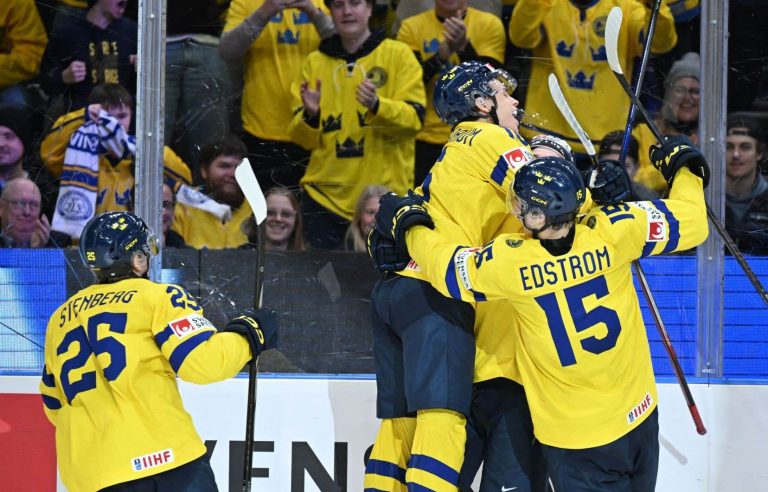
column 640, row 409
column 152, row 460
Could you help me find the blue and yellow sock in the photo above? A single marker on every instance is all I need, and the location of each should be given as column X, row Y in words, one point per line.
column 437, row 452
column 385, row 471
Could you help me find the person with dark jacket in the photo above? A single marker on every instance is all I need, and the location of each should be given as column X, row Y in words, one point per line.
column 86, row 51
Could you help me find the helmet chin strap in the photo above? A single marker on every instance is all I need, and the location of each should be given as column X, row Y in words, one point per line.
column 492, row 112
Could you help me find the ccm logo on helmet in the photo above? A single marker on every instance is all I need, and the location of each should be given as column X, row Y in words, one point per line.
column 189, row 324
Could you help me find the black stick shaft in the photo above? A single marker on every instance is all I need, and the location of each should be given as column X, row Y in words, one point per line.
column 670, row 349
column 640, row 77
column 727, row 239
column 253, row 371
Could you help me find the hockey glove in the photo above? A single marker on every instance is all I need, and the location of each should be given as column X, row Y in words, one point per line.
column 397, row 214
column 552, row 143
column 676, row 152
column 386, row 255
column 258, row 326
column 609, row 184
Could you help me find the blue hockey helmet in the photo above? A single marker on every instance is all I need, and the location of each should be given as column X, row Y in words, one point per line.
column 457, row 89
column 548, row 187
column 109, row 241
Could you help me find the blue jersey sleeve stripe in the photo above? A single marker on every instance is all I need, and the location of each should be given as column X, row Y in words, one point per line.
column 51, row 403
column 186, row 347
column 385, row 469
column 648, row 249
column 479, row 296
column 163, row 336
column 500, row 171
column 674, row 226
column 434, row 467
column 425, row 186
column 48, row 379
column 451, row 280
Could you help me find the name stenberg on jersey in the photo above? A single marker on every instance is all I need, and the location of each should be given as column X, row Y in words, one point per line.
column 564, row 269
column 74, row 306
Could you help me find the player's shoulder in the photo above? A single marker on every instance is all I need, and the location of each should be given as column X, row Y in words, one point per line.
column 627, row 219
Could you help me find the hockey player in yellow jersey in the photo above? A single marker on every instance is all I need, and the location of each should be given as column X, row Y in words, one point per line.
column 358, row 104
column 568, row 39
column 425, row 354
column 583, row 353
column 112, row 354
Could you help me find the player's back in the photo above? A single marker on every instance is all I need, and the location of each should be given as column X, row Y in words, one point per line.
column 465, row 191
column 112, row 353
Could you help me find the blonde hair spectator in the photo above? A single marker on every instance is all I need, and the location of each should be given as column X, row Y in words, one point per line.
column 365, row 217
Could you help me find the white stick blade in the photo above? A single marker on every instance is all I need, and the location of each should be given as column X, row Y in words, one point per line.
column 559, row 98
column 612, row 28
column 251, row 189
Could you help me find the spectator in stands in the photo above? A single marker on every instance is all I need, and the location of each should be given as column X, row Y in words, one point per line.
column 22, row 223
column 272, row 42
column 679, row 115
column 447, row 35
column 197, row 84
column 22, row 42
column 93, row 154
column 99, row 47
column 170, row 238
column 364, row 219
column 610, row 149
column 358, row 105
column 202, row 229
column 567, row 39
column 284, row 226
column 746, row 189
column 17, row 159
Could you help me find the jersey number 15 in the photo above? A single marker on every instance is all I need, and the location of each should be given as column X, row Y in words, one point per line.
column 582, row 319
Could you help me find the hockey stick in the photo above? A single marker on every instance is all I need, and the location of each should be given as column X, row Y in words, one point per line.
column 252, row 191
column 613, row 24
column 640, row 76
column 562, row 104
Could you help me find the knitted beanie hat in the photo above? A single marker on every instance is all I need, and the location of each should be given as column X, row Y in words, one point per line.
column 687, row 66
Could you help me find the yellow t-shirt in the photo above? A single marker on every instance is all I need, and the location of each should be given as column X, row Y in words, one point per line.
column 202, row 230
column 271, row 64
column 423, row 34
column 573, row 48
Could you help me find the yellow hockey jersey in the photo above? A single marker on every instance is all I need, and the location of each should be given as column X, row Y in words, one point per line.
column 115, row 180
column 570, row 43
column 466, row 196
column 112, row 354
column 351, row 146
column 203, row 230
column 22, row 41
column 270, row 66
column 423, row 34
column 582, row 348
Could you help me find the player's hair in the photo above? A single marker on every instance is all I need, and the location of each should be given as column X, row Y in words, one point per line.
column 110, row 96
column 354, row 238
column 109, row 241
column 227, row 145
